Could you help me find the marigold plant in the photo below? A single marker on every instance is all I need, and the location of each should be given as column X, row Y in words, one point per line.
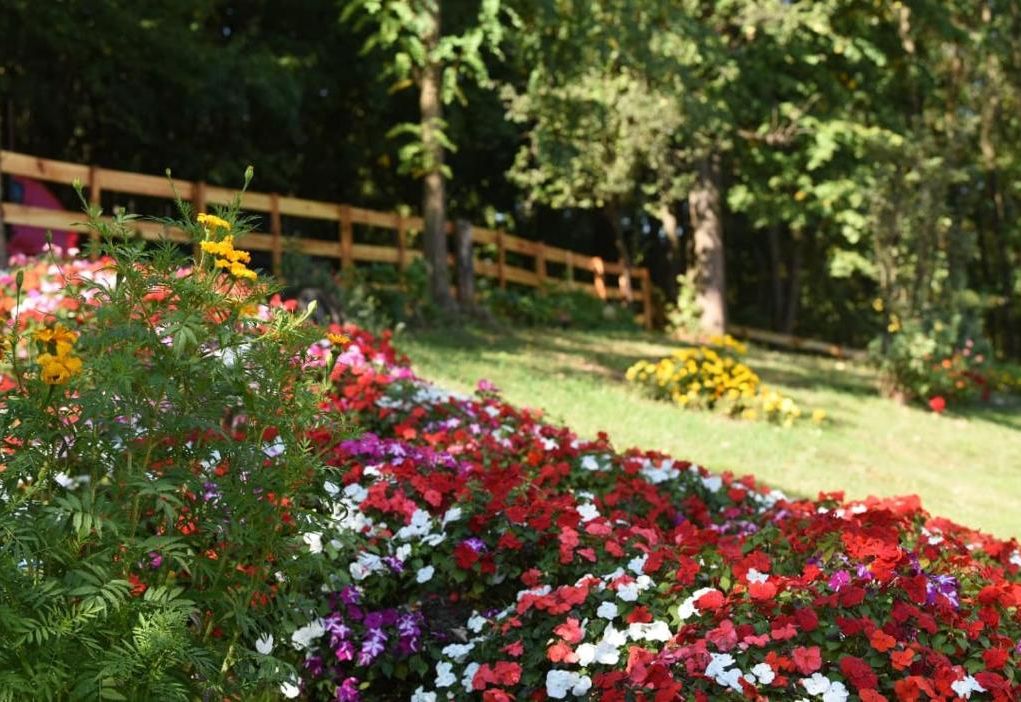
column 157, row 475
column 715, row 379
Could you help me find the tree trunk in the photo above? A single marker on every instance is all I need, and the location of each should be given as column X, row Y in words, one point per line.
column 612, row 212
column 775, row 279
column 707, row 229
column 794, row 283
column 434, row 202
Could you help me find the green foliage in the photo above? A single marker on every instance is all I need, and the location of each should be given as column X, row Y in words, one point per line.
column 556, row 307
column 152, row 505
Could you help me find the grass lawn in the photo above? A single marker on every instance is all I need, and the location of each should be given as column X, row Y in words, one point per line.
column 965, row 466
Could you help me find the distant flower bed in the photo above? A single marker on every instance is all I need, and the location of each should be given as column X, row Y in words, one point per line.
column 712, row 377
column 460, row 548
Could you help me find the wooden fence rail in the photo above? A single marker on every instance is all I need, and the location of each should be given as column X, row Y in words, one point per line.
column 491, row 246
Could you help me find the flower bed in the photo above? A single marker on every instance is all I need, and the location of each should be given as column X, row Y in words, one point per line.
column 474, row 551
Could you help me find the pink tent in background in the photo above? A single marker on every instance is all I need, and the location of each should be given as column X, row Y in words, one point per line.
column 32, row 240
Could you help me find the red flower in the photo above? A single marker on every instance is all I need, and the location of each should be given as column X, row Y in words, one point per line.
column 881, row 641
column 902, row 659
column 858, row 672
column 937, row 404
column 995, row 658
column 762, row 591
column 807, row 660
column 570, row 631
column 712, row 600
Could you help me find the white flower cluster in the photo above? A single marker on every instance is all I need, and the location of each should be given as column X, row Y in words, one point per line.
column 560, row 682
column 829, row 690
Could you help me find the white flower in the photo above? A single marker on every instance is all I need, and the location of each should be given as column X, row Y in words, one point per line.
column 331, row 488
column 366, row 564
column 713, row 483
column 452, row 515
column 275, row 449
column 314, row 539
column 637, row 564
column 264, row 644
column 476, row 622
column 628, row 593
column 424, row 574
column 655, row 631
column 355, row 492
column 587, row 511
column 718, row 663
column 458, row 651
column 420, row 695
column 559, row 682
column 1015, row 559
column 444, row 674
column 586, row 653
column 419, row 526
column 730, row 678
column 469, row 676
column 755, row 576
column 816, row 685
column 290, row 689
column 302, row 637
column 965, row 686
column 607, row 610
column 590, row 463
column 764, row 673
column 836, row 693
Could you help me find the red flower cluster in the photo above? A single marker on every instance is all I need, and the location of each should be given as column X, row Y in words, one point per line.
column 627, row 576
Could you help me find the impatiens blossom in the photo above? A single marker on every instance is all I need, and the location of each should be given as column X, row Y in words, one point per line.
column 424, row 574
column 444, row 674
column 607, row 610
column 264, row 644
column 303, row 636
column 965, row 686
column 559, row 683
column 290, row 689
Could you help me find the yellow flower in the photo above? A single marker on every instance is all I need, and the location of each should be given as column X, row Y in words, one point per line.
column 337, row 339
column 818, row 416
column 212, row 222
column 57, row 370
column 59, row 334
column 238, row 270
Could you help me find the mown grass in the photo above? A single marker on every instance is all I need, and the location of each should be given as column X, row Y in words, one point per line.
column 964, row 465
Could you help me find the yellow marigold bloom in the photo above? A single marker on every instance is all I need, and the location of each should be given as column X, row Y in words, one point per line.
column 337, row 339
column 212, row 222
column 238, row 270
column 57, row 370
column 58, row 334
column 818, row 416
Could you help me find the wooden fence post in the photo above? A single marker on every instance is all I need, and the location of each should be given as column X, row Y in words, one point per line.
column 95, row 192
column 347, row 238
column 276, row 230
column 465, row 264
column 501, row 259
column 540, row 264
column 402, row 243
column 600, row 281
column 569, row 272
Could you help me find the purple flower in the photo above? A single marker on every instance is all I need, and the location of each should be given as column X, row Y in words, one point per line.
column 395, row 564
column 373, row 645
column 210, row 491
column 348, row 691
column 373, row 620
column 945, row 586
column 155, row 560
column 350, row 595
column 486, row 386
column 839, row 580
column 314, row 665
column 475, row 544
column 344, row 651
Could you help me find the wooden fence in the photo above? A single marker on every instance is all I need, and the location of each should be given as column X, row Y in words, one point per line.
column 535, row 264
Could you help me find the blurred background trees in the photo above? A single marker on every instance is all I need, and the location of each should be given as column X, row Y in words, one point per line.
column 845, row 169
